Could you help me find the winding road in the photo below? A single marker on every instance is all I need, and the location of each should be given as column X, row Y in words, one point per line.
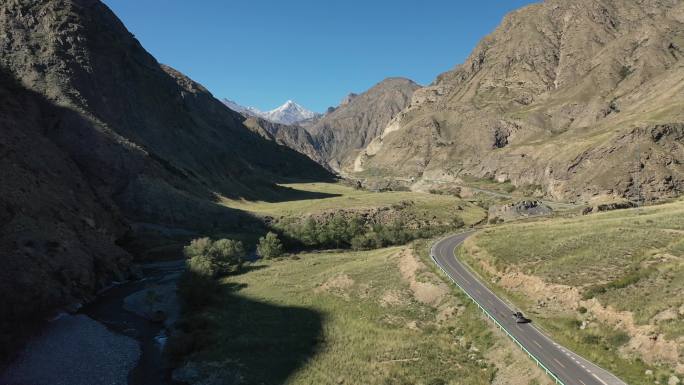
column 564, row 366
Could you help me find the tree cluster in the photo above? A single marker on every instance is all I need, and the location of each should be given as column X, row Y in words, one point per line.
column 214, row 258
column 355, row 232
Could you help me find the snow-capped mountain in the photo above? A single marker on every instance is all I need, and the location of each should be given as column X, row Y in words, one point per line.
column 288, row 113
column 241, row 109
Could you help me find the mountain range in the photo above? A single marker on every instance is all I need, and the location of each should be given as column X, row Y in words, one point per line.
column 572, row 99
column 289, row 113
column 106, row 152
column 578, row 98
column 102, row 147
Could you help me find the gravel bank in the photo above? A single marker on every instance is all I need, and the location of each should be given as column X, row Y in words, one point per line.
column 74, row 350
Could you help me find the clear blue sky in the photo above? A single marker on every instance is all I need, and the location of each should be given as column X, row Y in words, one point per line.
column 262, row 52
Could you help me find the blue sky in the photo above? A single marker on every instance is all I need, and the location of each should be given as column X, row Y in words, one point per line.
column 261, row 53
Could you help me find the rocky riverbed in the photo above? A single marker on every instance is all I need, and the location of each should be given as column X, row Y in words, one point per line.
column 115, row 340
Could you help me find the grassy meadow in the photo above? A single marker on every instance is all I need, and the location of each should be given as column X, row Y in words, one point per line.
column 614, row 283
column 371, row 317
column 312, row 198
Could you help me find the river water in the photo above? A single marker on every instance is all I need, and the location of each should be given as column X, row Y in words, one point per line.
column 104, row 342
column 109, row 310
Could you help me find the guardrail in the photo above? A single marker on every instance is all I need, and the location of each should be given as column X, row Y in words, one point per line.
column 535, row 359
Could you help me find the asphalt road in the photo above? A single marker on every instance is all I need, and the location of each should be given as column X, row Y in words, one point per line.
column 565, row 365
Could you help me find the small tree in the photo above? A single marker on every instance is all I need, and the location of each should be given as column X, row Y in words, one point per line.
column 337, row 228
column 197, row 247
column 310, row 232
column 202, row 265
column 270, row 246
column 209, row 258
column 228, row 255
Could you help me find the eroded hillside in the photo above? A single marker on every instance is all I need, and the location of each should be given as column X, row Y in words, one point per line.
column 582, row 98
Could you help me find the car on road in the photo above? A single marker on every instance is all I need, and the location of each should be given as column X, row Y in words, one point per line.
column 520, row 318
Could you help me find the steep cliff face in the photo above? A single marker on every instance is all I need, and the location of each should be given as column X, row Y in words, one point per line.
column 98, row 139
column 342, row 133
column 57, row 234
column 581, row 97
column 293, row 136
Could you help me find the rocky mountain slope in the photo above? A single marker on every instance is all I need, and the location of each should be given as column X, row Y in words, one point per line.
column 341, row 133
column 293, row 136
column 99, row 141
column 582, row 98
column 244, row 110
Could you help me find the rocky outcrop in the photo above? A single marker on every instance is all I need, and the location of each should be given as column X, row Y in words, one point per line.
column 583, row 98
column 517, row 210
column 292, row 136
column 343, row 132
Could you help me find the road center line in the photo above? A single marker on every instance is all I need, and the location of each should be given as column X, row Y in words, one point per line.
column 559, row 363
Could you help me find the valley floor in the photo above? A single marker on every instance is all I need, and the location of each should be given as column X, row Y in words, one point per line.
column 312, row 198
column 594, row 283
column 371, row 317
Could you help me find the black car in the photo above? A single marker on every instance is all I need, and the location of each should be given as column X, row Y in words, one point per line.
column 520, row 318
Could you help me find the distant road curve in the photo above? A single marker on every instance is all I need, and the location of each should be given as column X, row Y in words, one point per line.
column 564, row 366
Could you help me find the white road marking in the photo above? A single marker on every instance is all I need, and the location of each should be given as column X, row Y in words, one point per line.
column 598, row 378
column 559, row 363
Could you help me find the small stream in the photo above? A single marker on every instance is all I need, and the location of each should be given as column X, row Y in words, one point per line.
column 109, row 310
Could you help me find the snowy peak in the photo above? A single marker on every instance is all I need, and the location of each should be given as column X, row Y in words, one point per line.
column 241, row 109
column 289, row 113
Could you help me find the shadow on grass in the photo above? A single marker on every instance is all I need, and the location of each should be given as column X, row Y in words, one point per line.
column 261, row 343
column 274, row 193
column 248, row 268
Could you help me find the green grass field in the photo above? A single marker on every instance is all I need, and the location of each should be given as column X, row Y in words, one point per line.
column 351, row 318
column 629, row 260
column 310, row 198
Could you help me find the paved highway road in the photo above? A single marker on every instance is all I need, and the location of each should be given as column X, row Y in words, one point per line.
column 565, row 366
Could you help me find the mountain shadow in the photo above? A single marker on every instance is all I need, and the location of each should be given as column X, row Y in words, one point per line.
column 100, row 143
column 261, row 343
column 287, row 194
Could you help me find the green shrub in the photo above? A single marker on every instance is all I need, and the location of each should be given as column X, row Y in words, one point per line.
column 270, row 246
column 202, row 265
column 494, row 220
column 618, row 338
column 227, row 255
column 457, row 222
column 214, row 258
column 197, row 247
